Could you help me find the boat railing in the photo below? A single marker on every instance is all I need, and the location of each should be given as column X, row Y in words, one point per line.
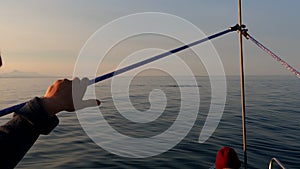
column 277, row 162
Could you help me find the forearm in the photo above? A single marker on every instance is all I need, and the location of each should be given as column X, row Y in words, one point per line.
column 16, row 138
column 39, row 117
column 19, row 134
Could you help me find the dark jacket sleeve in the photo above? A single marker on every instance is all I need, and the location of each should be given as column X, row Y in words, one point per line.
column 19, row 134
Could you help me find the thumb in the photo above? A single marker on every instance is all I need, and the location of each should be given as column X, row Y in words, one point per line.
column 89, row 103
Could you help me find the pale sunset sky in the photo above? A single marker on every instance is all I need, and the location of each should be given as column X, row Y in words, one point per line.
column 46, row 36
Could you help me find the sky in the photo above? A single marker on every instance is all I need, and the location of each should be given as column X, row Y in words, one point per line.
column 47, row 36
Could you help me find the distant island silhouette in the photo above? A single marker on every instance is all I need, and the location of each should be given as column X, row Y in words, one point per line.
column 21, row 74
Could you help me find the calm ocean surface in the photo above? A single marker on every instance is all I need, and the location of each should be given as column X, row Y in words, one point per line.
column 273, row 125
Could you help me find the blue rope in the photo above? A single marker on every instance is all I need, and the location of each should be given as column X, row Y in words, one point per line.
column 154, row 58
column 133, row 66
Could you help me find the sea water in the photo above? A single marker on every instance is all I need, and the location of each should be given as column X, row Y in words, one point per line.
column 272, row 108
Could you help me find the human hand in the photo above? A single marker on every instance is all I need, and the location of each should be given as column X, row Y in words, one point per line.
column 67, row 95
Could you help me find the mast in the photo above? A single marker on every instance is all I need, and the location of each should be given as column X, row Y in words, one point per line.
column 242, row 82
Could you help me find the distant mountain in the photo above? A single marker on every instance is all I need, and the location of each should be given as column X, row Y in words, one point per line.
column 17, row 73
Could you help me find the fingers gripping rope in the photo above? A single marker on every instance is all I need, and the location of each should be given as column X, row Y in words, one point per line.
column 133, row 66
column 273, row 55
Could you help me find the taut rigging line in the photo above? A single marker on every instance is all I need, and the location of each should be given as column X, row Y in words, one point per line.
column 135, row 65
